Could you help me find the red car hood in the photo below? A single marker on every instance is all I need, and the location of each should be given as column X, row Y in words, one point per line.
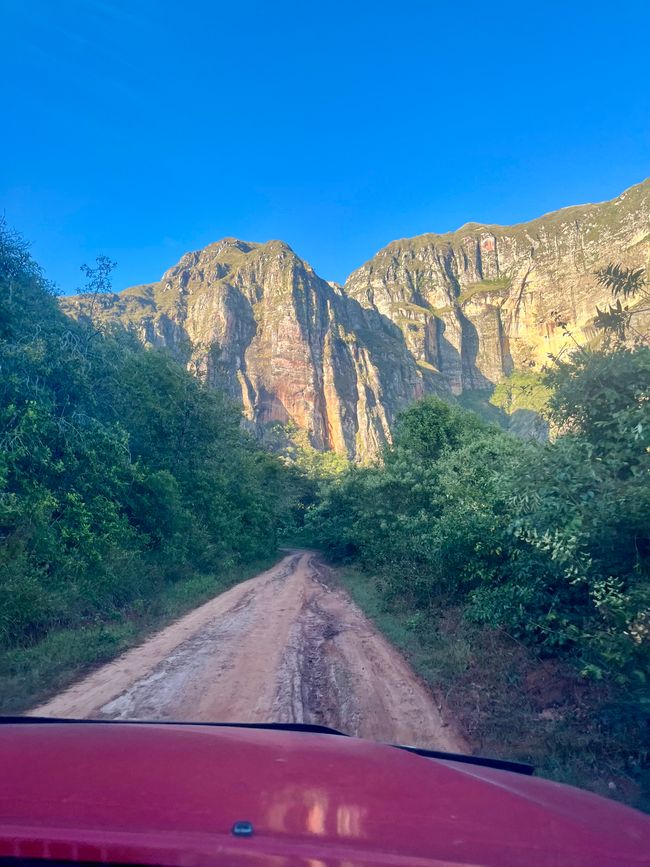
column 170, row 795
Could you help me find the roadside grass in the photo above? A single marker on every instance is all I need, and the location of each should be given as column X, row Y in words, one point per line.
column 31, row 675
column 509, row 703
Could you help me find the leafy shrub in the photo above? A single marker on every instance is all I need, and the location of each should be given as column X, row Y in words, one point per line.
column 549, row 542
column 119, row 471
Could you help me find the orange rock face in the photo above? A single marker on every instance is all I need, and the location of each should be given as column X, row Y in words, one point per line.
column 433, row 314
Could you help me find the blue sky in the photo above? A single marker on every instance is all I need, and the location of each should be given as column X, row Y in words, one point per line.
column 141, row 129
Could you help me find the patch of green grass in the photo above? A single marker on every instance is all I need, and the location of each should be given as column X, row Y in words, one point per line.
column 593, row 218
column 522, row 389
column 143, row 292
column 433, row 659
column 396, row 306
column 440, row 311
column 31, row 675
column 484, row 287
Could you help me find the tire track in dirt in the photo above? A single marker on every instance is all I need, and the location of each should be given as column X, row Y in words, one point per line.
column 285, row 646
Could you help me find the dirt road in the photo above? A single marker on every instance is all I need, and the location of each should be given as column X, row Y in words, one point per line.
column 286, row 646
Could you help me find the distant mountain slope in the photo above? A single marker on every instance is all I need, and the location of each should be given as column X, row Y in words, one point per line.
column 435, row 313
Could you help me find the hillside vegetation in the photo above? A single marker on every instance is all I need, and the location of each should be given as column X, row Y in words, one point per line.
column 476, row 547
column 128, row 489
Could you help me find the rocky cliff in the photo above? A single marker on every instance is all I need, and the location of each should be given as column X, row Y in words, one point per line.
column 477, row 302
column 435, row 313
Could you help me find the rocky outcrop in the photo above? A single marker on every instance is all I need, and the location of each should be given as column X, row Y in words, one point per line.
column 255, row 320
column 475, row 303
column 432, row 314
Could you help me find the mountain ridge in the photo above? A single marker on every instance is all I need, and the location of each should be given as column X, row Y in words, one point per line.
column 437, row 313
column 472, row 225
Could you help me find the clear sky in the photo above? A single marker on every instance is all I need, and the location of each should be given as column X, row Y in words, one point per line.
column 141, row 129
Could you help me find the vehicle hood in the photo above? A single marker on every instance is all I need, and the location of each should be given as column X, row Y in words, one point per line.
column 170, row 794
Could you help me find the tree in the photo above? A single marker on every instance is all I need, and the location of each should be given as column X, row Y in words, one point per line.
column 98, row 278
column 98, row 283
column 119, row 470
column 626, row 284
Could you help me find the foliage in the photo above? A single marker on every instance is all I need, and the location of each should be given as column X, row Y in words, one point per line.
column 522, row 389
column 507, row 701
column 120, row 473
column 292, row 444
column 29, row 674
column 418, row 517
column 98, row 278
column 550, row 543
column 306, row 469
column 627, row 284
column 602, row 396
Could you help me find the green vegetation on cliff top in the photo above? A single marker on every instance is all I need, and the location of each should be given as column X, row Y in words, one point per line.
column 600, row 216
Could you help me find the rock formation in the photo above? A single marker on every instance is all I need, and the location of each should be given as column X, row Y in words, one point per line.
column 433, row 314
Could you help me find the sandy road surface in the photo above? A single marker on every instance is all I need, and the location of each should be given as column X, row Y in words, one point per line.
column 285, row 646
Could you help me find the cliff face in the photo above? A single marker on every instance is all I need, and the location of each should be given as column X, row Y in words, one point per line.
column 436, row 313
column 256, row 320
column 475, row 303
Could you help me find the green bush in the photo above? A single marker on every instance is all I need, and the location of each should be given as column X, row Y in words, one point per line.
column 119, row 471
column 549, row 542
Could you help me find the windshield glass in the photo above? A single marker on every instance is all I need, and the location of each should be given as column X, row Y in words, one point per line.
column 323, row 373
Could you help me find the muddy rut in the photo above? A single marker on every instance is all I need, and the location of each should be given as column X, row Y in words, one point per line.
column 285, row 646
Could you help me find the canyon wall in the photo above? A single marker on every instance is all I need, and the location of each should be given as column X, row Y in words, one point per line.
column 439, row 314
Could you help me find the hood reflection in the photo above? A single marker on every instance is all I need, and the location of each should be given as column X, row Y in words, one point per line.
column 309, row 811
